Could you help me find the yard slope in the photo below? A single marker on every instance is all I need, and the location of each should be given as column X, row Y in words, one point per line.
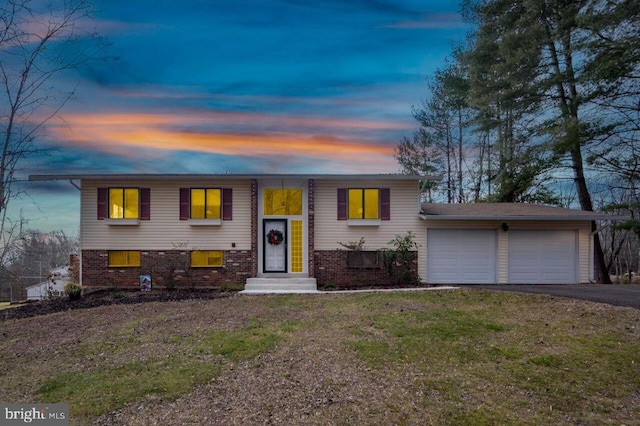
column 445, row 357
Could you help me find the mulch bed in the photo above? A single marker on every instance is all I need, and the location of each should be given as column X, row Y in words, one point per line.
column 106, row 297
column 128, row 296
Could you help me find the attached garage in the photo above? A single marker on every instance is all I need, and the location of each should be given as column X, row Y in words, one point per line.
column 508, row 243
column 542, row 257
column 462, row 256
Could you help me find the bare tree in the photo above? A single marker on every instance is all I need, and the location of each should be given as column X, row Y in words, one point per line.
column 38, row 41
column 32, row 254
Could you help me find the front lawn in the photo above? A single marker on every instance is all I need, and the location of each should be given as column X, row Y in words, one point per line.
column 437, row 357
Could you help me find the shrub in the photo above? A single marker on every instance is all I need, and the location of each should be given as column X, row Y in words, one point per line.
column 399, row 259
column 73, row 290
column 231, row 287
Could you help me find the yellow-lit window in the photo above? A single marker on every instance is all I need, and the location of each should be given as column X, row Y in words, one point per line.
column 124, row 203
column 296, row 246
column 205, row 203
column 282, row 202
column 364, row 204
column 206, row 258
column 123, row 258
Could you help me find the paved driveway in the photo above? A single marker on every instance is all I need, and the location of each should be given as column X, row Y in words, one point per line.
column 613, row 294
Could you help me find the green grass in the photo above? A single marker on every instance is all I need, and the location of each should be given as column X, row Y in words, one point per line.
column 93, row 393
column 558, row 362
column 240, row 345
column 231, row 287
column 98, row 391
column 5, row 305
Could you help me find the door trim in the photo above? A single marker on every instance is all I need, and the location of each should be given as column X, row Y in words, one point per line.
column 265, row 245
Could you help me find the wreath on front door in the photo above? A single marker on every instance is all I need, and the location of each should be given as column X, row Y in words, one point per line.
column 275, row 237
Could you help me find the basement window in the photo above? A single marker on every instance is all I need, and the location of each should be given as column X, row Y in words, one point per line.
column 206, row 259
column 123, row 259
column 363, row 259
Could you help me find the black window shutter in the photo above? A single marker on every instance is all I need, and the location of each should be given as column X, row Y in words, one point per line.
column 227, row 204
column 385, row 204
column 342, row 203
column 103, row 203
column 145, row 204
column 184, row 203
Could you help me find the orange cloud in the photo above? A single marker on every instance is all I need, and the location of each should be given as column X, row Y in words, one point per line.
column 193, row 117
column 197, row 131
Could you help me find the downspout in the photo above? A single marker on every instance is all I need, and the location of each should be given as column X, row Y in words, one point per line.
column 79, row 188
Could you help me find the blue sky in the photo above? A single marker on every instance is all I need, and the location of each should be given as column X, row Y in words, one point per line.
column 260, row 86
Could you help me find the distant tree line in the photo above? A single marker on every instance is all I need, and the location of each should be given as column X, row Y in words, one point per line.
column 542, row 105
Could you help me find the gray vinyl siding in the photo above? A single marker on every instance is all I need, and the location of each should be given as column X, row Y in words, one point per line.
column 165, row 230
column 582, row 228
column 404, row 216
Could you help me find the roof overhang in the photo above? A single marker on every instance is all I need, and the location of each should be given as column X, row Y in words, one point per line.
column 509, row 212
column 506, row 218
column 159, row 177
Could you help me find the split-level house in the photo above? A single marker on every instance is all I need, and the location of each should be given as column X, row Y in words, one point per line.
column 279, row 232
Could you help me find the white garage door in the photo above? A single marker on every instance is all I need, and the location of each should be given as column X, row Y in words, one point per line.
column 461, row 256
column 542, row 257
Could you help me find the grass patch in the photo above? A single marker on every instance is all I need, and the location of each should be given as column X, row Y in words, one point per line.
column 5, row 305
column 486, row 368
column 96, row 392
column 231, row 287
column 420, row 336
column 244, row 344
column 93, row 393
column 248, row 343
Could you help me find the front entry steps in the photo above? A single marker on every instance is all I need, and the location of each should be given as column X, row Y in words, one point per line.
column 283, row 285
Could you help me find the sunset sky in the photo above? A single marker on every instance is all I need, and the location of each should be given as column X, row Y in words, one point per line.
column 253, row 86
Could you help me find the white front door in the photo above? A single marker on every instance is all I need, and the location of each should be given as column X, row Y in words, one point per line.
column 275, row 245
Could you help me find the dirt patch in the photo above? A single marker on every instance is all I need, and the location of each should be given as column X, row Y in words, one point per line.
column 105, row 297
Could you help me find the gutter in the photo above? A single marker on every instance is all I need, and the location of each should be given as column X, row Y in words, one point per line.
column 589, row 217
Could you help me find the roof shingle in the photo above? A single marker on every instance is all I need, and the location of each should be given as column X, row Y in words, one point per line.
column 508, row 211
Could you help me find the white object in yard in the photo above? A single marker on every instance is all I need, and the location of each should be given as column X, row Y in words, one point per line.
column 53, row 287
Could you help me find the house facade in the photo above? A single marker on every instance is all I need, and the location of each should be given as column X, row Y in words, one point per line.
column 210, row 230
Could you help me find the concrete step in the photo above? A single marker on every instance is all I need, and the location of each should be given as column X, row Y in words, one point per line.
column 280, row 285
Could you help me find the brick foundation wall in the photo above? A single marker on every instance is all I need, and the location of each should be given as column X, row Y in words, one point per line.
column 167, row 268
column 331, row 270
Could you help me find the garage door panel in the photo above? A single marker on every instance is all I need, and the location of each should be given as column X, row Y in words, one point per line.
column 478, row 259
column 449, row 263
column 456, row 256
column 542, row 257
